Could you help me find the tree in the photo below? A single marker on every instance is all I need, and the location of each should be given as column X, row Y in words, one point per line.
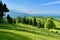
column 40, row 24
column 14, row 20
column 3, row 8
column 27, row 21
column 34, row 21
column 9, row 19
column 19, row 19
column 30, row 21
column 49, row 24
column 24, row 20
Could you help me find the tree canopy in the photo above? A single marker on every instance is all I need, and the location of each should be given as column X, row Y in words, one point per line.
column 3, row 8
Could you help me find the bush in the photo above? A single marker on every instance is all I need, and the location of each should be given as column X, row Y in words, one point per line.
column 52, row 31
column 56, row 31
column 49, row 24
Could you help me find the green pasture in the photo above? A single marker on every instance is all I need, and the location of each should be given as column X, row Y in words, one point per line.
column 25, row 32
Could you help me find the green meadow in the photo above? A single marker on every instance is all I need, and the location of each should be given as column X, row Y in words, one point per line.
column 27, row 32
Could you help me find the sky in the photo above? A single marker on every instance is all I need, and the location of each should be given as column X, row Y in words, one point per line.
column 34, row 6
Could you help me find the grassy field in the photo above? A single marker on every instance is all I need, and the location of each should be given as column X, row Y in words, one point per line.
column 25, row 32
column 57, row 23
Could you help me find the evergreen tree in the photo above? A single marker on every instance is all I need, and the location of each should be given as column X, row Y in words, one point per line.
column 27, row 21
column 14, row 20
column 9, row 19
column 19, row 19
column 42, row 23
column 3, row 8
column 39, row 24
column 34, row 21
column 24, row 20
column 30, row 21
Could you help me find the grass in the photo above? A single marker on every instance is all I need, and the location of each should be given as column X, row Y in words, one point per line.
column 20, row 35
column 57, row 23
column 5, row 35
column 25, row 32
column 54, row 30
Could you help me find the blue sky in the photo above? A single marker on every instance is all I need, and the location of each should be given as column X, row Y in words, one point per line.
column 34, row 6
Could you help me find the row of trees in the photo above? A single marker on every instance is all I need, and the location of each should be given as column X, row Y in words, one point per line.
column 41, row 24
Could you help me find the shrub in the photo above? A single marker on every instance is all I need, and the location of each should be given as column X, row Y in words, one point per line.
column 56, row 31
column 49, row 24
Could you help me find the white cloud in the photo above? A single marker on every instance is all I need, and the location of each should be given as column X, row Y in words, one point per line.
column 30, row 11
column 33, row 11
column 50, row 3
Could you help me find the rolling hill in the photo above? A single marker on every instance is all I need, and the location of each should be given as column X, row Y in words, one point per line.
column 25, row 32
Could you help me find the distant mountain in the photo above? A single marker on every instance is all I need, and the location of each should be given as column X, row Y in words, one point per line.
column 45, row 15
column 16, row 14
column 13, row 14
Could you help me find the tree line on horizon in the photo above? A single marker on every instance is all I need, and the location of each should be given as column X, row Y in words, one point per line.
column 47, row 24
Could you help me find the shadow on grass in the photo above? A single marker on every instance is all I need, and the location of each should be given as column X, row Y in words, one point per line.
column 57, row 28
column 12, row 36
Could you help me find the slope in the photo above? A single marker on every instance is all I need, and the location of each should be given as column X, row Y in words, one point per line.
column 26, row 32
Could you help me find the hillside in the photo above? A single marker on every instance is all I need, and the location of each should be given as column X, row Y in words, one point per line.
column 29, row 19
column 25, row 32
